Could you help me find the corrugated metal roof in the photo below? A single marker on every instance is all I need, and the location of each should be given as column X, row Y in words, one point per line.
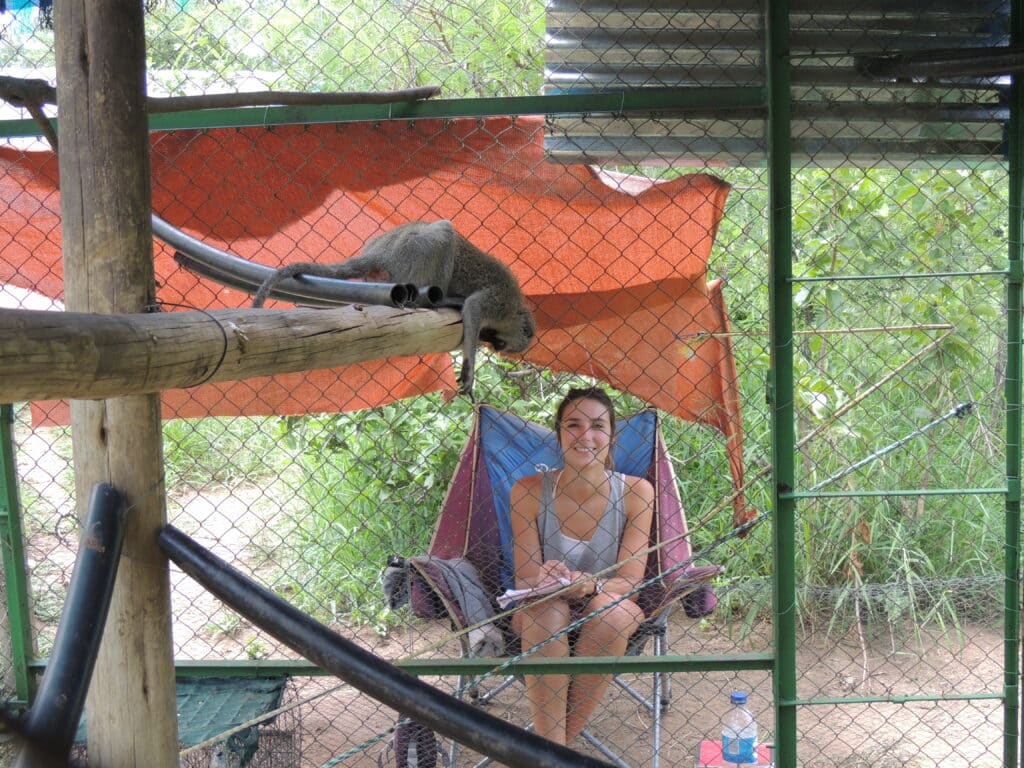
column 840, row 113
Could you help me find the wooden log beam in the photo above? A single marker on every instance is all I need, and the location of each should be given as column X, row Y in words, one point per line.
column 84, row 356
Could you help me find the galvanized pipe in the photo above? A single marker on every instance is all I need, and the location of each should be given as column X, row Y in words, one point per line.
column 1012, row 713
column 12, row 545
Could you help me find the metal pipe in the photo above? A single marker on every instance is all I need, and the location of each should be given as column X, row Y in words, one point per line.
column 431, row 296
column 233, row 281
column 944, row 63
column 370, row 674
column 958, row 412
column 893, row 492
column 1001, row 273
column 425, row 297
column 245, row 272
column 50, row 725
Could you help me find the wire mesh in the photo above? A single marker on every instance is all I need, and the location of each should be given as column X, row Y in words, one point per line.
column 309, row 482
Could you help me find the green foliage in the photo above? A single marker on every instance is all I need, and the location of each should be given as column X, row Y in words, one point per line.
column 220, row 450
column 479, row 48
column 919, row 234
column 374, row 481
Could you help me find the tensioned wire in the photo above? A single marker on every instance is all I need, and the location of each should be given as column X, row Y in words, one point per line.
column 704, row 521
column 473, row 681
column 476, row 680
column 739, row 531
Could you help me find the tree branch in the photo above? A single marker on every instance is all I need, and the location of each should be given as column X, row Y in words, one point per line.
column 32, row 94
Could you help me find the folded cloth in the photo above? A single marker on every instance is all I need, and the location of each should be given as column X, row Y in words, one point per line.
column 454, row 580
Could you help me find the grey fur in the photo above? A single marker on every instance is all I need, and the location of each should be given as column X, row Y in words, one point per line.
column 433, row 253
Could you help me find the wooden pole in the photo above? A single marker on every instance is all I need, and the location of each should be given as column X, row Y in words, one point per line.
column 108, row 267
column 51, row 355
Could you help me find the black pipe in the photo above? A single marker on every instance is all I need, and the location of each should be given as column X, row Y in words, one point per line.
column 370, row 674
column 247, row 273
column 342, row 291
column 233, row 281
column 430, row 296
column 50, row 725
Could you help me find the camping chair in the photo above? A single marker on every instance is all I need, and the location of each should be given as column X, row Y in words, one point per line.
column 474, row 525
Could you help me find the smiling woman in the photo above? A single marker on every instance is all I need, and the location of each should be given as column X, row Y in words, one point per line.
column 576, row 524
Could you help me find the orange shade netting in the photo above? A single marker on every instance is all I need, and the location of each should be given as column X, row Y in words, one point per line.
column 613, row 266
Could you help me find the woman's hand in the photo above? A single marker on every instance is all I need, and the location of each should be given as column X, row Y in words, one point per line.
column 585, row 584
column 552, row 570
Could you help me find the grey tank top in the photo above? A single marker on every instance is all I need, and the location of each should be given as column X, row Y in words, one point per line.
column 599, row 552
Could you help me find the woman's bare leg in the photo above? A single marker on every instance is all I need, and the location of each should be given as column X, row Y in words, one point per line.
column 547, row 693
column 604, row 635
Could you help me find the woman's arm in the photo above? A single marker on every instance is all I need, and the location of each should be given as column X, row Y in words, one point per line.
column 636, row 534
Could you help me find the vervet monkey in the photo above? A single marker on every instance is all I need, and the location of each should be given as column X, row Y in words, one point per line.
column 433, row 253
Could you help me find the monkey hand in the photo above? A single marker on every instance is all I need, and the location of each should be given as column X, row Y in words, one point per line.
column 466, row 382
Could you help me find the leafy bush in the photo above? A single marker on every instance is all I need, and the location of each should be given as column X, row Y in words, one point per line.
column 220, row 450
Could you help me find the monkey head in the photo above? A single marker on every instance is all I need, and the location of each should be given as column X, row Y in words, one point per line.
column 512, row 336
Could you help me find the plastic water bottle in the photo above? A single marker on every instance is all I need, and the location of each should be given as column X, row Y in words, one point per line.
column 739, row 732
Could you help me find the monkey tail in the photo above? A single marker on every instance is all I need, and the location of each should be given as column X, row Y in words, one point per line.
column 284, row 273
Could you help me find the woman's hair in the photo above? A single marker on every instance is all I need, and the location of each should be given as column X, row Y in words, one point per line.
column 588, row 393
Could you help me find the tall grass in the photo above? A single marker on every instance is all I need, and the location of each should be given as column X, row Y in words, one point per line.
column 221, row 450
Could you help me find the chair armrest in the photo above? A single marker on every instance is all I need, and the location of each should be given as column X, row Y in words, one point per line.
column 691, row 586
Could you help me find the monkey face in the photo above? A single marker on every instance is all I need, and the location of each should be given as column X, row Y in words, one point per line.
column 490, row 336
column 514, row 337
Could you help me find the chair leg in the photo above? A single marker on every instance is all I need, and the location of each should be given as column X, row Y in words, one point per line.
column 656, row 705
column 660, row 649
column 453, row 745
column 483, row 698
column 597, row 744
column 479, row 699
column 589, row 737
column 644, row 701
column 656, row 711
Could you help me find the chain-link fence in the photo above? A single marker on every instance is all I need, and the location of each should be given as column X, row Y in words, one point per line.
column 626, row 188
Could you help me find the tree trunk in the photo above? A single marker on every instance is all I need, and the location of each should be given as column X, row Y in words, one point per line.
column 108, row 268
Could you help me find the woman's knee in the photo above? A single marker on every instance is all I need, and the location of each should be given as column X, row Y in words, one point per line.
column 548, row 617
column 618, row 619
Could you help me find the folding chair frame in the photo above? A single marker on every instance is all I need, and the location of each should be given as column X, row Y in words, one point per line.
column 474, row 524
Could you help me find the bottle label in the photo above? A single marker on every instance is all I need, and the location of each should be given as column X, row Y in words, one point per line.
column 737, row 750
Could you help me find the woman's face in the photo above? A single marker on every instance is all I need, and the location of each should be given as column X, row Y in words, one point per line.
column 585, row 433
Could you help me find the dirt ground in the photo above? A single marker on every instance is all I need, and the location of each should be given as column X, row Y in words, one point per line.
column 955, row 733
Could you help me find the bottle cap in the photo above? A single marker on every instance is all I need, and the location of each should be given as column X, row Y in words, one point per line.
column 738, row 698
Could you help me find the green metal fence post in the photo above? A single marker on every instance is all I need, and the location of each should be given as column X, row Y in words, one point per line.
column 1015, row 228
column 12, row 546
column 781, row 376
